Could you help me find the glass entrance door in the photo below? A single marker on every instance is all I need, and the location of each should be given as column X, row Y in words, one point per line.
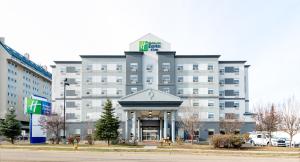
column 150, row 133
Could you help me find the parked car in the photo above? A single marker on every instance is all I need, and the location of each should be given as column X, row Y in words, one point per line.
column 264, row 140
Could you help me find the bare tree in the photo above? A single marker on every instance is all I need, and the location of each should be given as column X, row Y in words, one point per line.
column 190, row 120
column 267, row 119
column 53, row 124
column 290, row 118
column 230, row 124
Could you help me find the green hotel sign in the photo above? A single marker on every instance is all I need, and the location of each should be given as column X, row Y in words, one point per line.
column 149, row 46
column 34, row 106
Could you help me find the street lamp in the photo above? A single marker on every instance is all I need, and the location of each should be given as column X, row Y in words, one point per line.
column 65, row 84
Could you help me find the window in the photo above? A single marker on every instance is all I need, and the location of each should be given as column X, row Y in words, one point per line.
column 103, row 92
column 210, row 91
column 70, row 69
column 232, row 93
column 133, row 66
column 195, row 67
column 210, row 132
column 119, row 80
column 166, row 79
column 229, row 69
column 210, row 79
column 166, row 67
column 180, row 91
column 180, row 79
column 195, row 91
column 222, row 82
column 179, row 67
column 211, row 103
column 149, row 80
column 195, row 79
column 119, row 68
column 236, row 81
column 133, row 90
column 103, row 79
column 210, row 115
column 222, row 105
column 236, row 70
column 70, row 116
column 195, row 103
column 119, row 92
column 210, row 67
column 133, row 79
column 149, row 68
column 229, row 104
column 166, row 90
column 104, row 67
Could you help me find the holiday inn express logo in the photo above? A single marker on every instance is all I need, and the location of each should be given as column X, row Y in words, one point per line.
column 149, row 46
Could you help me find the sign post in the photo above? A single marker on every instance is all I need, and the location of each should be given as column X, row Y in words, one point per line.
column 37, row 107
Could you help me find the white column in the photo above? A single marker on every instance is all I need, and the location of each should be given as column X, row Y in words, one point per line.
column 165, row 124
column 126, row 125
column 173, row 125
column 161, row 129
column 134, row 125
column 138, row 133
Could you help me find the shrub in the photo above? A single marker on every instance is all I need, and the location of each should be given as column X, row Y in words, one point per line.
column 71, row 139
column 227, row 140
column 89, row 139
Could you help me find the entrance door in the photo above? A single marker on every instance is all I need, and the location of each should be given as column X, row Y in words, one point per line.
column 150, row 133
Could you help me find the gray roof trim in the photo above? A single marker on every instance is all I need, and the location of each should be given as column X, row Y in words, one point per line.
column 133, row 52
column 53, row 66
column 67, row 62
column 232, row 98
column 232, row 62
column 162, row 52
column 197, row 56
column 102, row 56
column 247, row 66
column 150, row 103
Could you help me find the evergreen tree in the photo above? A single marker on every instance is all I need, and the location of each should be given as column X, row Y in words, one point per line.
column 10, row 127
column 107, row 126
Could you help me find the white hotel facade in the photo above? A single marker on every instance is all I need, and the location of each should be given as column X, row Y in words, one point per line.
column 149, row 86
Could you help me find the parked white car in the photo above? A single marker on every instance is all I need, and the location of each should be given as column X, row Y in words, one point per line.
column 264, row 140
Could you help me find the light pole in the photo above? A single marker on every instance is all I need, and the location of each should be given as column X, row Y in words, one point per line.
column 65, row 84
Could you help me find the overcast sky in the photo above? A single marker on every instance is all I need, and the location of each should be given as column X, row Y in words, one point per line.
column 266, row 33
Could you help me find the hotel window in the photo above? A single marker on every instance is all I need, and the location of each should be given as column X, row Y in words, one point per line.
column 103, row 92
column 119, row 80
column 229, row 69
column 149, row 80
column 222, row 105
column 222, row 82
column 70, row 69
column 166, row 79
column 133, row 79
column 211, row 103
column 166, row 90
column 210, row 79
column 180, row 91
column 180, row 79
column 210, row 115
column 166, row 67
column 195, row 67
column 149, row 68
column 236, row 81
column 119, row 92
column 133, row 90
column 103, row 79
column 195, row 91
column 104, row 67
column 119, row 68
column 133, row 66
column 236, row 93
column 210, row 67
column 236, row 105
column 179, row 67
column 210, row 91
column 236, row 70
column 195, row 79
column 195, row 103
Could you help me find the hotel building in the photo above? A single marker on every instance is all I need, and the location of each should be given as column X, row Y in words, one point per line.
column 151, row 88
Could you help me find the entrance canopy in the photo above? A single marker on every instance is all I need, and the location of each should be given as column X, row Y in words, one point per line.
column 150, row 99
